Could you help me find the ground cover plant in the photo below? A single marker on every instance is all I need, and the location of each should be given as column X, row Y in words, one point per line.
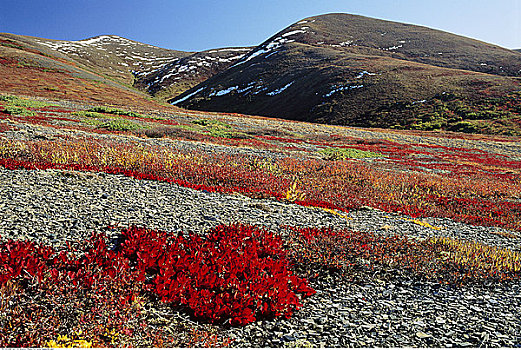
column 470, row 193
column 95, row 296
column 444, row 260
column 99, row 296
column 235, row 275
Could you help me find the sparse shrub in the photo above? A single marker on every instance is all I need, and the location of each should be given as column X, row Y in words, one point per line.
column 444, row 260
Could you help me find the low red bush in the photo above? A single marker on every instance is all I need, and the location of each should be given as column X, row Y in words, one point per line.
column 236, row 274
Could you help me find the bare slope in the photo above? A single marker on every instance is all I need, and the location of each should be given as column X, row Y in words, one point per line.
column 353, row 70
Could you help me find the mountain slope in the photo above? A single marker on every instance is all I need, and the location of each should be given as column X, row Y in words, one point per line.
column 353, row 70
column 175, row 77
column 110, row 55
column 160, row 72
column 25, row 70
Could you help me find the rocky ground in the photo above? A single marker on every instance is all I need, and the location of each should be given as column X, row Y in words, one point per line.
column 54, row 206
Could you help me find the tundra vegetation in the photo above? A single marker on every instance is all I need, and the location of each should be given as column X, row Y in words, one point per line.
column 96, row 294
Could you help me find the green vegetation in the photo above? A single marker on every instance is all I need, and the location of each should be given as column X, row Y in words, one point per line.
column 23, row 102
column 116, row 124
column 228, row 134
column 217, row 128
column 335, row 153
column 14, row 46
column 21, row 111
column 107, row 122
column 212, row 123
column 446, row 111
column 90, row 114
column 450, row 112
column 116, row 111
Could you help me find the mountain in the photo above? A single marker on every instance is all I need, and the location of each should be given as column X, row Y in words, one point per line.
column 177, row 76
column 110, row 55
column 354, row 70
column 157, row 71
column 37, row 70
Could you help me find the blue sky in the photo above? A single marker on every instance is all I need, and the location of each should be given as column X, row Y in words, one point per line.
column 194, row 25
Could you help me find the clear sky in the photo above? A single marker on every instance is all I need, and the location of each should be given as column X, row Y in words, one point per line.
column 194, row 25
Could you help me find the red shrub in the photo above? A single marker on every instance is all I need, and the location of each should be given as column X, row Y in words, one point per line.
column 236, row 274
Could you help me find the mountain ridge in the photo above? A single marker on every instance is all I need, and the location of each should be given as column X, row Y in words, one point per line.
column 334, row 69
column 354, row 70
column 130, row 62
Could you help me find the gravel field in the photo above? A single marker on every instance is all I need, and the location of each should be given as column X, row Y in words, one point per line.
column 54, row 206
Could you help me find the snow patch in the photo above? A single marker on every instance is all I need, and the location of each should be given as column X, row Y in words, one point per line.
column 361, row 74
column 293, row 32
column 337, row 88
column 224, row 91
column 278, row 91
column 393, row 47
column 275, row 44
column 187, row 96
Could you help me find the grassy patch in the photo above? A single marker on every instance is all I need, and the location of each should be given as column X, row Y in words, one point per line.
column 228, row 134
column 335, row 153
column 217, row 128
column 116, row 124
column 116, row 111
column 21, row 111
column 212, row 123
column 23, row 102
column 88, row 114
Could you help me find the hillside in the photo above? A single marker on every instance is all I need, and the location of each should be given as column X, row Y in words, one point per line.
column 132, row 223
column 30, row 72
column 353, row 70
column 160, row 72
column 110, row 55
column 173, row 78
